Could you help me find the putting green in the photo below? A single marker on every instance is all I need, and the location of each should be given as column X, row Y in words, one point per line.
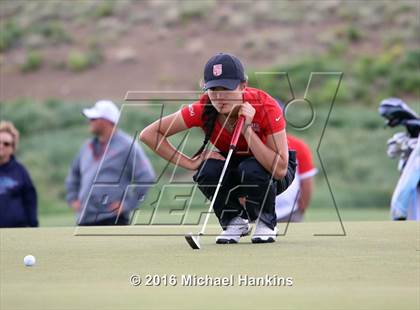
column 375, row 266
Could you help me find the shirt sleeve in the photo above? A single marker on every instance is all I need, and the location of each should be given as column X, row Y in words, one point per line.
column 192, row 114
column 273, row 115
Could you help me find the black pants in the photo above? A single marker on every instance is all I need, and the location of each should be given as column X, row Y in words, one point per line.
column 245, row 177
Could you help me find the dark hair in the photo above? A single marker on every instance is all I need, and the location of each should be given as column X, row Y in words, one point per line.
column 208, row 117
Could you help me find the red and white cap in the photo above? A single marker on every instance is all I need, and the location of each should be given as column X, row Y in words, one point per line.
column 105, row 109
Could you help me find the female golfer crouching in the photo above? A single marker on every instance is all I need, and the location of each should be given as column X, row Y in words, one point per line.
column 260, row 169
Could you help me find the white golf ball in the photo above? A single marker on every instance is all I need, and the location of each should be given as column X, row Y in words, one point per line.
column 29, row 260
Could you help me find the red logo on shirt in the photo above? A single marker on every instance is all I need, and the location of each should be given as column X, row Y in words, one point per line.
column 217, row 70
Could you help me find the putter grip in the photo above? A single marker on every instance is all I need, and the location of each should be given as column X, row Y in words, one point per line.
column 237, row 132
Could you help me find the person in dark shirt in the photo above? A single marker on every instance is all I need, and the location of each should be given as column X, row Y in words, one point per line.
column 18, row 198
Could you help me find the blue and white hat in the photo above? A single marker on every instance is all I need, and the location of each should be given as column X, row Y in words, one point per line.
column 223, row 70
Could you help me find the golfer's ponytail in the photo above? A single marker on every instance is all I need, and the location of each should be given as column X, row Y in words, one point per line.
column 208, row 117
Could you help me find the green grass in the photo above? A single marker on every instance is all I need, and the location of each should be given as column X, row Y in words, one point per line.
column 314, row 214
column 374, row 267
column 57, row 219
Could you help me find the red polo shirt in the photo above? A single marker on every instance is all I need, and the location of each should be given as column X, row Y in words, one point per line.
column 305, row 166
column 268, row 119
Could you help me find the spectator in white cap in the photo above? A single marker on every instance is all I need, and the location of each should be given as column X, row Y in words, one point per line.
column 104, row 109
column 98, row 181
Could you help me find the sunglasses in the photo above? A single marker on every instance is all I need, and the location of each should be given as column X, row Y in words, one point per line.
column 6, row 143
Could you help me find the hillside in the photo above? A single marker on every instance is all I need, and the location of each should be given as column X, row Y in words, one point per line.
column 100, row 49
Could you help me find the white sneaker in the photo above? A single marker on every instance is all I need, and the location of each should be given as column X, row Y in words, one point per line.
column 263, row 233
column 237, row 228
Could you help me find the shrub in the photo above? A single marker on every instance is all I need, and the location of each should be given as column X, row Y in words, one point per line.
column 32, row 62
column 104, row 9
column 77, row 61
column 53, row 32
column 353, row 34
column 10, row 34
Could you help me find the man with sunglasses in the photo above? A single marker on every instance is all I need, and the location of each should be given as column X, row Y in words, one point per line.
column 18, row 198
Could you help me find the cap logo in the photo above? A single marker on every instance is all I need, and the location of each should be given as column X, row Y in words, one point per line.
column 217, row 70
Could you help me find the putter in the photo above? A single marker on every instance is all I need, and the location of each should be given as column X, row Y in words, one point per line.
column 194, row 240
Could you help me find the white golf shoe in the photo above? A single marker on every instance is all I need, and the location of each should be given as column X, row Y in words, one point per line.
column 237, row 228
column 264, row 234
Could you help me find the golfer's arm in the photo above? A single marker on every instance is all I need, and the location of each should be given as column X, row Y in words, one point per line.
column 156, row 136
column 274, row 155
column 306, row 187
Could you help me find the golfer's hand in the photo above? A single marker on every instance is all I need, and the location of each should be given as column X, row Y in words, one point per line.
column 248, row 111
column 198, row 160
column 75, row 205
column 210, row 154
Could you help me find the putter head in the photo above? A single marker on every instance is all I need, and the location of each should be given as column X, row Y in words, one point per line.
column 192, row 241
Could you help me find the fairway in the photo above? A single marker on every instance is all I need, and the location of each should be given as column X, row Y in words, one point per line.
column 375, row 266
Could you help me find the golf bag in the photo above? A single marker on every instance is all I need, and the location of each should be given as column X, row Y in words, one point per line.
column 405, row 203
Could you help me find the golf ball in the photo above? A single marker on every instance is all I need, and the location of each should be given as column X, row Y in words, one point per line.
column 29, row 260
